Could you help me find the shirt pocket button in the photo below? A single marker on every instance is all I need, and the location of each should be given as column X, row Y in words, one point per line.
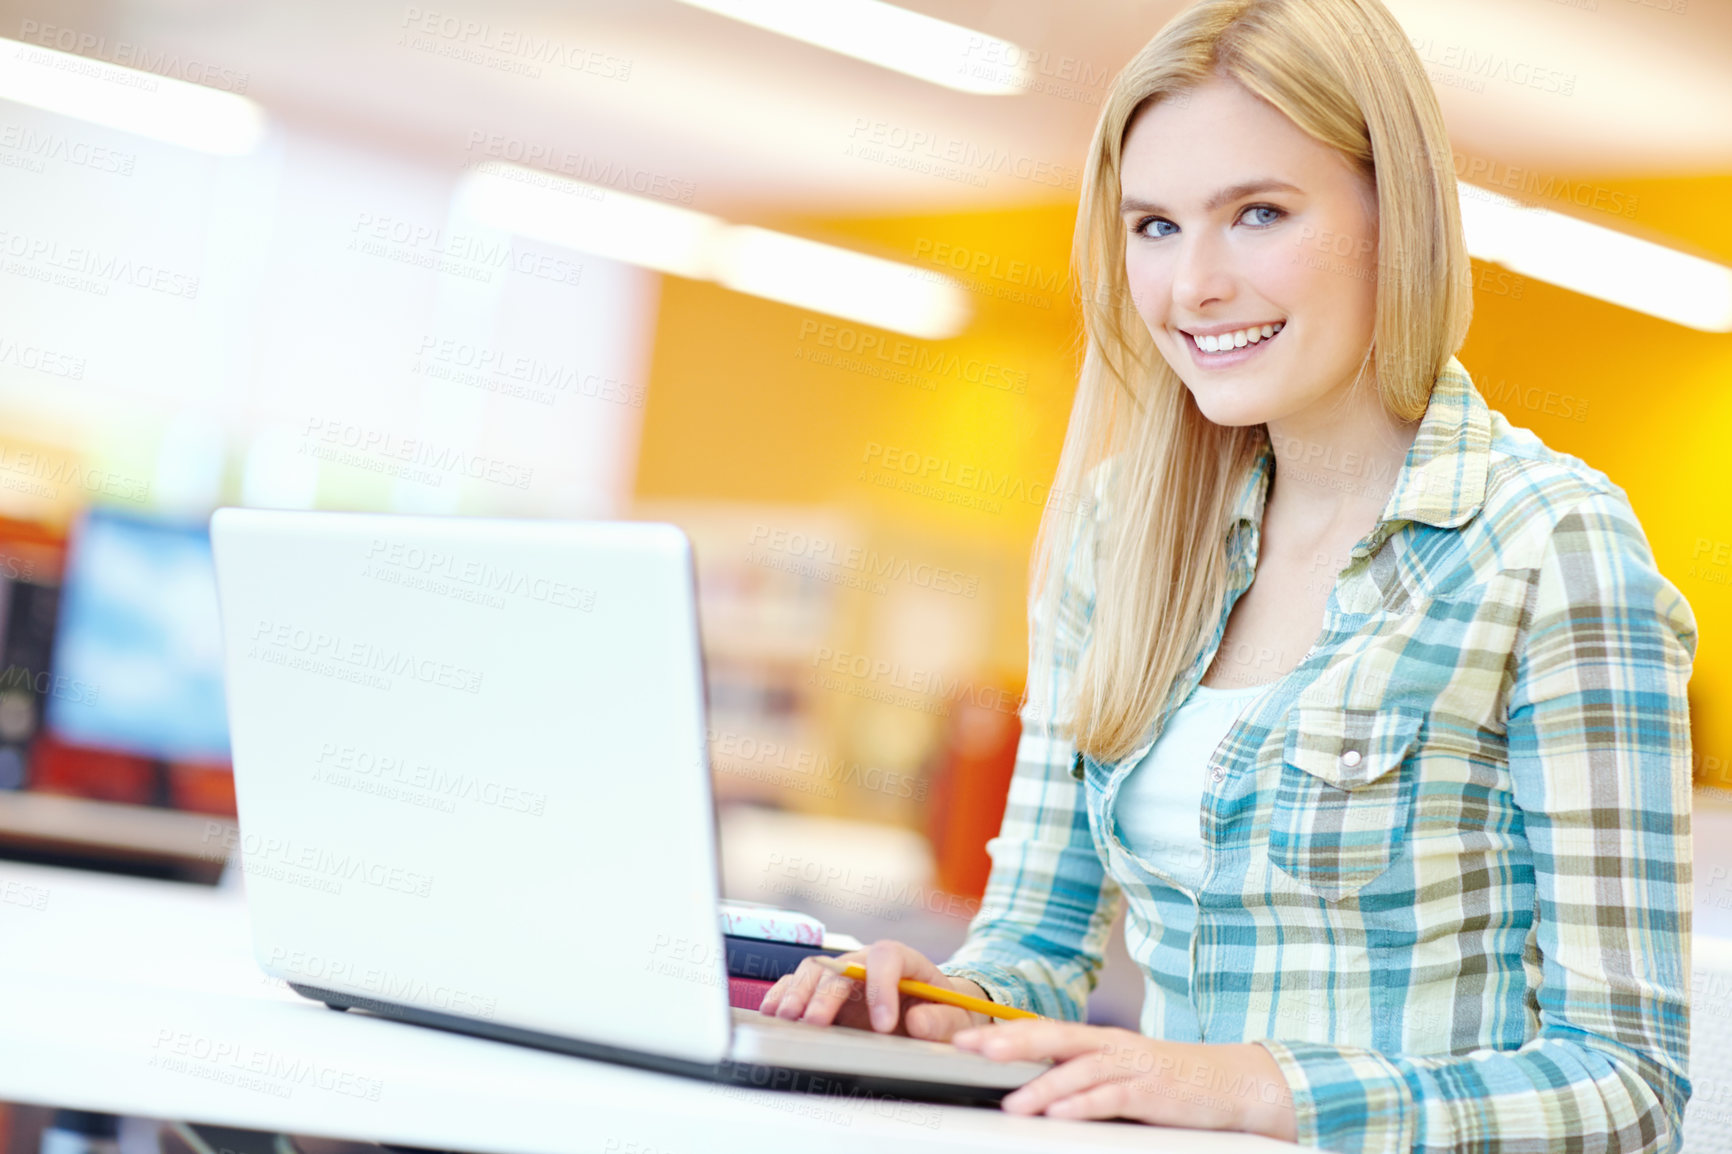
column 1344, row 799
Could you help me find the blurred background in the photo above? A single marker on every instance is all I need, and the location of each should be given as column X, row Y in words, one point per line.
column 792, row 278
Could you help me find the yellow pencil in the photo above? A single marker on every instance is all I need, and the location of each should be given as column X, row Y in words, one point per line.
column 930, row 993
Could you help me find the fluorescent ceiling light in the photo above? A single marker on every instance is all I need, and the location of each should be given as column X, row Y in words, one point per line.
column 670, row 239
column 1597, row 262
column 891, row 37
column 143, row 103
column 589, row 218
column 838, row 282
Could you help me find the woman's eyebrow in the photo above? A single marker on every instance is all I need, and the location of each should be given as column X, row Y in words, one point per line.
column 1224, row 197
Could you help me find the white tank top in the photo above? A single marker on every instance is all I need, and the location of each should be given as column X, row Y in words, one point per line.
column 1160, row 800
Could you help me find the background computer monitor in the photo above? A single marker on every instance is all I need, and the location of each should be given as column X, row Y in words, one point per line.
column 138, row 647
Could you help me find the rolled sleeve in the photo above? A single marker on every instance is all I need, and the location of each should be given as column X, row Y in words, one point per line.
column 1346, row 1099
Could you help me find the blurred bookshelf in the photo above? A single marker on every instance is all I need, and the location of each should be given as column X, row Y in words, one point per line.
column 764, row 613
column 844, row 681
column 837, row 687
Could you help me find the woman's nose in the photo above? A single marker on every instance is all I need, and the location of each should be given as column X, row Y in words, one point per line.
column 1202, row 273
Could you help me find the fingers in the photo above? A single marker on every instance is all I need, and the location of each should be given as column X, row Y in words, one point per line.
column 773, row 996
column 1065, row 1081
column 1113, row 1073
column 829, row 995
column 883, row 972
column 813, row 993
column 1104, row 1100
column 810, row 992
column 932, row 1021
column 1023, row 1039
column 781, row 993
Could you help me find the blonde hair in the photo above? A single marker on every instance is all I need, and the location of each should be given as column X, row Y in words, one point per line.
column 1344, row 73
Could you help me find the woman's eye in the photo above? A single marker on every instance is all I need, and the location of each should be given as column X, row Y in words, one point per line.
column 1156, row 223
column 1274, row 214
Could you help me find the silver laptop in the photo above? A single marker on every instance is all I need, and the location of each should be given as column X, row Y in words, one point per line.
column 473, row 783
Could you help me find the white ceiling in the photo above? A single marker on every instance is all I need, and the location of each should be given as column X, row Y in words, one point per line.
column 757, row 123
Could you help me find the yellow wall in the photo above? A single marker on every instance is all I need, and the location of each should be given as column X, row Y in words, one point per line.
column 739, row 407
column 744, row 406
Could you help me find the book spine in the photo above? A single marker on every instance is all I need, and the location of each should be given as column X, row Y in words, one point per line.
column 747, row 993
column 750, row 958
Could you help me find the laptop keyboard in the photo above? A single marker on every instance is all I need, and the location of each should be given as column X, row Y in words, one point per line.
column 773, row 1022
column 779, row 1041
column 853, row 1034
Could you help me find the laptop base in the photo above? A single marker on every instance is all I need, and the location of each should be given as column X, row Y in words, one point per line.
column 823, row 1083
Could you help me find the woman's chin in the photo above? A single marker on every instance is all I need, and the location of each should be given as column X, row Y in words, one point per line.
column 1233, row 403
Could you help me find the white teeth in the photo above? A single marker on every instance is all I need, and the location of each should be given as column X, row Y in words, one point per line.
column 1222, row 342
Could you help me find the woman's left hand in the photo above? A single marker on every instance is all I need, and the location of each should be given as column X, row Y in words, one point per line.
column 1105, row 1072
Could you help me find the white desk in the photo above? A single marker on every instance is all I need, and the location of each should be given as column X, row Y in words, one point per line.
column 142, row 998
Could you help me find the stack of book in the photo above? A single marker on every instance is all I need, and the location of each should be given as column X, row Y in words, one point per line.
column 764, row 943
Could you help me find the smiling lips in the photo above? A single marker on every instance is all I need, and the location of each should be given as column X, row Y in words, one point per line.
column 1224, row 342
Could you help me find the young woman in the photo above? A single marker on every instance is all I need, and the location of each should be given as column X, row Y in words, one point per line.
column 1370, row 705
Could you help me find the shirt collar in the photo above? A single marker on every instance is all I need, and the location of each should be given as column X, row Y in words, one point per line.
column 1443, row 478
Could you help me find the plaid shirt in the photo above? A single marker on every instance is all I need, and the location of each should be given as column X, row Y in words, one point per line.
column 1446, row 858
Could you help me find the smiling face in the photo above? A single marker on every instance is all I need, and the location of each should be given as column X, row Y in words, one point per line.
column 1251, row 254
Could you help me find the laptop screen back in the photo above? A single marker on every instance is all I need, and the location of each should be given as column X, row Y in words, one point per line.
column 471, row 771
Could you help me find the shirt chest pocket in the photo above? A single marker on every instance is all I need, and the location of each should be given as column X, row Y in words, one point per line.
column 1344, row 799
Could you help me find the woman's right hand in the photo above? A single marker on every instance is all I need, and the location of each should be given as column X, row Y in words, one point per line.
column 815, row 994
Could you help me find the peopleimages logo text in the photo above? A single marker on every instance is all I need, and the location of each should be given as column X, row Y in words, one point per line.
column 318, row 645
column 438, row 459
column 481, row 574
column 865, row 561
column 260, row 855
